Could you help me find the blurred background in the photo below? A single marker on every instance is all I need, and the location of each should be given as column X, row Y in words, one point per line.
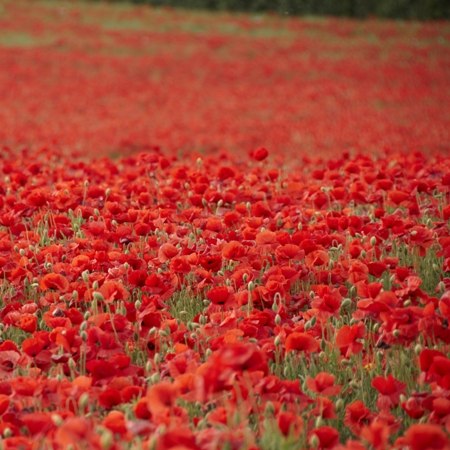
column 118, row 77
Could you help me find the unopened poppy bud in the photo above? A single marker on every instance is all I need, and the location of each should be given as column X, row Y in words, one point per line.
column 98, row 297
column 83, row 336
column 85, row 276
column 407, row 303
column 72, row 364
column 353, row 321
column 308, row 325
column 346, row 303
column 22, row 252
column 278, row 319
column 137, row 304
column 323, row 344
column 339, row 404
column 220, row 203
column 403, row 398
column 7, row 432
column 376, row 327
column 396, row 333
column 208, row 352
column 286, row 371
column 322, row 355
column 95, row 285
column 86, row 315
column 83, row 326
column 57, row 419
column 157, row 358
column 154, row 378
column 314, row 441
column 83, row 401
column 269, row 409
column 418, row 349
column 277, row 340
column 106, row 440
column 251, row 286
column 319, row 421
column 392, row 278
column 148, row 366
column 74, row 295
column 248, row 205
column 373, row 241
column 363, row 253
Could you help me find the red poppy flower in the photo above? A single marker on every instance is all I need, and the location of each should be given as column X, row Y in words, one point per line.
column 347, row 339
column 357, row 415
column 54, row 281
column 290, row 424
column 323, row 383
column 115, row 421
column 218, row 295
column 424, row 437
column 302, row 342
column 389, row 389
column 260, row 154
column 328, row 436
column 113, row 290
column 161, row 398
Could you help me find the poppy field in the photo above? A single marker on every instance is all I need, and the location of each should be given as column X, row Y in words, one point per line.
column 222, row 231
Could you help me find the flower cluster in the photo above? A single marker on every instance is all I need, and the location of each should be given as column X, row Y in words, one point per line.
column 157, row 302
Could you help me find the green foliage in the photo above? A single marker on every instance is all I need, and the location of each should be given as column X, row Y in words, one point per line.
column 398, row 9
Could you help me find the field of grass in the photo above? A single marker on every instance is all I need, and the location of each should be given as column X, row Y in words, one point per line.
column 222, row 231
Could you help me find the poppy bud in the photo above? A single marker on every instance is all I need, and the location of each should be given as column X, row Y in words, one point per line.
column 137, row 304
column 269, row 409
column 148, row 366
column 396, row 333
column 7, row 432
column 346, row 303
column 154, row 378
column 85, row 276
column 277, row 340
column 106, row 440
column 83, row 336
column 407, row 303
column 339, row 404
column 314, row 441
column 83, row 401
column 97, row 296
column 57, row 419
column 277, row 319
column 373, row 241
column 318, row 422
column 251, row 286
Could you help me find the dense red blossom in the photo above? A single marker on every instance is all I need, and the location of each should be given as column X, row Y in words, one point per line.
column 261, row 260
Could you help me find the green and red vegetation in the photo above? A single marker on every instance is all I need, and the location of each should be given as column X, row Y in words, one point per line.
column 169, row 283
